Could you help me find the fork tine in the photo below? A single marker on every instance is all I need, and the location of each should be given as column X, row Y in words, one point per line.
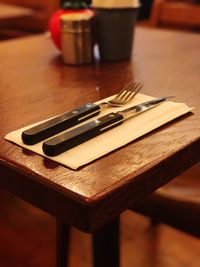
column 124, row 90
column 137, row 89
column 133, row 90
column 128, row 85
column 125, row 97
column 121, row 94
column 132, row 95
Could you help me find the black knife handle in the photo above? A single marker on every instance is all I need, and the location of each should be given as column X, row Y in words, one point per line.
column 59, row 123
column 70, row 139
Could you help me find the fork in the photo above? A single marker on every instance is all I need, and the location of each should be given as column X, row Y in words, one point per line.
column 66, row 120
column 124, row 96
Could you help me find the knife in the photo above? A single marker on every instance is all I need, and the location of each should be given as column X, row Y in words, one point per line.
column 72, row 138
column 59, row 123
column 66, row 120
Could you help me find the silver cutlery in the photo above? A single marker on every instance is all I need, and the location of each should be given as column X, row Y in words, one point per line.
column 69, row 119
column 124, row 96
column 70, row 139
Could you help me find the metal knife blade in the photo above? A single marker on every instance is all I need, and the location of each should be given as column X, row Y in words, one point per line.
column 137, row 109
column 69, row 119
column 70, row 139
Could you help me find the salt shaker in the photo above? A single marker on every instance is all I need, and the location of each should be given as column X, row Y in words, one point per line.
column 76, row 39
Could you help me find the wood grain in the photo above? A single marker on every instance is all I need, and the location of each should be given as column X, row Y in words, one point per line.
column 27, row 16
column 177, row 203
column 36, row 85
column 8, row 11
column 184, row 14
column 25, row 228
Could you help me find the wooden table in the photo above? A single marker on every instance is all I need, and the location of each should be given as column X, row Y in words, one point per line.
column 9, row 14
column 36, row 85
column 10, row 11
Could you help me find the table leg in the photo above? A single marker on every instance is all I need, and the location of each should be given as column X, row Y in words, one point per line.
column 106, row 250
column 62, row 245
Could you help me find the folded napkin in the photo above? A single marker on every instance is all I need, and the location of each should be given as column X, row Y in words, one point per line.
column 113, row 139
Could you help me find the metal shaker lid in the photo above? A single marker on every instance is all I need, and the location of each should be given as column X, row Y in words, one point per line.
column 76, row 22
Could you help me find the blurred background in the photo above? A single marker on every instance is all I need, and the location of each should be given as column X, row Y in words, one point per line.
column 27, row 234
column 23, row 17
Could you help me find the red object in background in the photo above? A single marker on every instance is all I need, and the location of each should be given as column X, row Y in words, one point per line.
column 55, row 25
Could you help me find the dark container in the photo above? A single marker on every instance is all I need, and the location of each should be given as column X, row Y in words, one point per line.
column 115, row 32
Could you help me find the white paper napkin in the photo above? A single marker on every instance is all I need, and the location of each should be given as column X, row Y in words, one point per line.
column 113, row 139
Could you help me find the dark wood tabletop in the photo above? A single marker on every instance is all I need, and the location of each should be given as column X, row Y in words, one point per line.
column 10, row 11
column 35, row 85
